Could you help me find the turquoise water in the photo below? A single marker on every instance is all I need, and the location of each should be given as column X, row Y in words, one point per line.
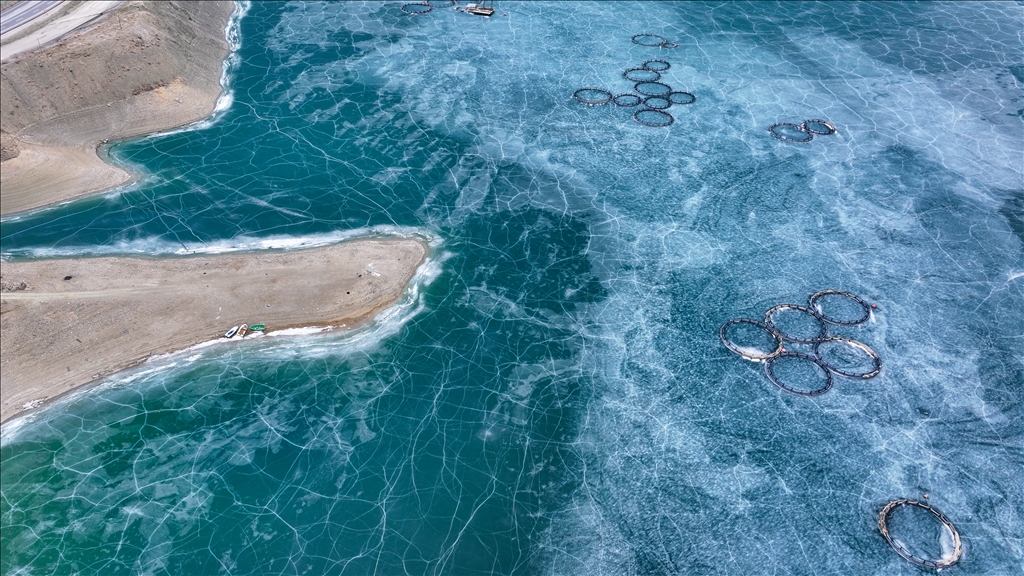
column 551, row 396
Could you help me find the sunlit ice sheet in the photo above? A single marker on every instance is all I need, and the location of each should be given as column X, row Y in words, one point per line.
column 562, row 403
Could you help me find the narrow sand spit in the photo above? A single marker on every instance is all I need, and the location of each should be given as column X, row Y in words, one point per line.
column 76, row 320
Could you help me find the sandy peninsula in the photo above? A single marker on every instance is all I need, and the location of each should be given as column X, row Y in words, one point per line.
column 65, row 323
column 144, row 67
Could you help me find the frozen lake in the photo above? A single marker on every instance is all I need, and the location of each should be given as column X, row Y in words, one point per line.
column 552, row 396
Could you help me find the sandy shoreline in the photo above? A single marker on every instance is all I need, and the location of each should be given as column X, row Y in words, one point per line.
column 146, row 67
column 143, row 68
column 113, row 313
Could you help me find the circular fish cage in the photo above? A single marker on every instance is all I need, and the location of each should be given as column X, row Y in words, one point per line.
column 649, row 40
column 656, row 65
column 652, row 88
column 788, row 132
column 641, row 75
column 749, row 353
column 680, row 97
column 876, row 362
column 592, row 96
column 817, row 306
column 946, row 561
column 627, row 100
column 417, row 8
column 653, row 118
column 818, row 127
column 822, row 327
column 657, row 102
column 769, row 370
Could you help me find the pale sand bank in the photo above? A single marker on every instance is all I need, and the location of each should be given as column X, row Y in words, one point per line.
column 56, row 334
column 145, row 67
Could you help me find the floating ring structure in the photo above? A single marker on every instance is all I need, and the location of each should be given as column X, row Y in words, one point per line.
column 653, row 88
column 656, row 65
column 818, row 392
column 417, row 8
column 817, row 295
column 627, row 100
column 680, row 97
column 641, row 75
column 646, row 39
column 653, row 118
column 900, row 549
column 818, row 127
column 746, row 352
column 822, row 334
column 657, row 102
column 587, row 96
column 773, row 127
column 858, row 345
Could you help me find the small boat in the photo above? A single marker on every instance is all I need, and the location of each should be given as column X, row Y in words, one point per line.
column 481, row 9
column 242, row 329
column 257, row 327
column 231, row 332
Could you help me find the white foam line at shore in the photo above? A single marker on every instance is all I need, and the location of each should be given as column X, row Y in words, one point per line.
column 10, row 429
column 159, row 358
column 162, row 247
column 233, row 35
column 301, row 331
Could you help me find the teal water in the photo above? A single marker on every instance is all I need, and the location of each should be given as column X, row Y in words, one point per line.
column 551, row 396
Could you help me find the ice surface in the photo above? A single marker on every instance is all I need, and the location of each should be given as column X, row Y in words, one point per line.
column 558, row 401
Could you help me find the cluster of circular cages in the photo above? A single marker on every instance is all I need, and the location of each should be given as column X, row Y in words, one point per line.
column 822, row 337
column 806, row 130
column 946, row 561
column 660, row 96
column 654, row 95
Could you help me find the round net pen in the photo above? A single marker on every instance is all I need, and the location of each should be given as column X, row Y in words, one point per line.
column 944, row 562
